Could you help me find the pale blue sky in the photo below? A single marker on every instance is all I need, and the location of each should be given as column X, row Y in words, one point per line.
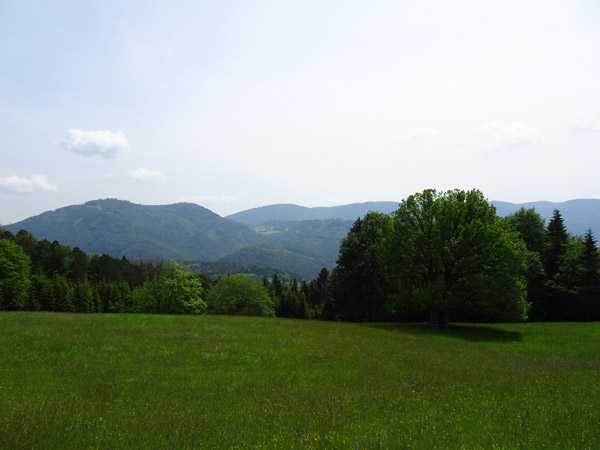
column 237, row 104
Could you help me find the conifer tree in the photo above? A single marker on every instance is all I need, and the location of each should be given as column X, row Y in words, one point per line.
column 555, row 244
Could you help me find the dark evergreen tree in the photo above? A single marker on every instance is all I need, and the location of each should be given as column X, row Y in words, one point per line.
column 358, row 284
column 28, row 242
column 5, row 234
column 591, row 278
column 575, row 288
column 555, row 248
column 318, row 295
column 79, row 265
column 555, row 244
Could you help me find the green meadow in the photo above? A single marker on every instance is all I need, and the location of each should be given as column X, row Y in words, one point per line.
column 79, row 381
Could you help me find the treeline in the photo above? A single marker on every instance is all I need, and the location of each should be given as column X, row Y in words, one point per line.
column 563, row 271
column 48, row 276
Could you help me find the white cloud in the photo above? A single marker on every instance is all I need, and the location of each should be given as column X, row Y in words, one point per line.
column 22, row 185
column 211, row 199
column 510, row 135
column 585, row 123
column 104, row 143
column 422, row 136
column 148, row 176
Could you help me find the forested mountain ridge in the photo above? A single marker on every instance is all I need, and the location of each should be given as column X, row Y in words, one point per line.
column 264, row 214
column 181, row 231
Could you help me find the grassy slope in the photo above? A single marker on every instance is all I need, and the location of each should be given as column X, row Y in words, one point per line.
column 135, row 381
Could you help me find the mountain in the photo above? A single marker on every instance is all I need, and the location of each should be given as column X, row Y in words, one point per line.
column 579, row 215
column 182, row 231
column 316, row 239
column 263, row 214
column 275, row 256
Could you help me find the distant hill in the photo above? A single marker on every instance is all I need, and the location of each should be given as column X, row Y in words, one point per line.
column 579, row 215
column 316, row 239
column 275, row 256
column 183, row 231
column 217, row 269
column 263, row 214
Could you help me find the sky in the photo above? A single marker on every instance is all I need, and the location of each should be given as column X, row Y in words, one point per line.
column 239, row 104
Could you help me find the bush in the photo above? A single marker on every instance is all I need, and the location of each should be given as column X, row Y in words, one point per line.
column 240, row 295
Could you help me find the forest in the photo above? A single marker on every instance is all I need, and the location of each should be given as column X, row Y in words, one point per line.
column 441, row 257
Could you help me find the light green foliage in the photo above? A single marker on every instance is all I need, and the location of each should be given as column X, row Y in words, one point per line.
column 530, row 226
column 456, row 237
column 172, row 290
column 240, row 295
column 14, row 276
column 81, row 381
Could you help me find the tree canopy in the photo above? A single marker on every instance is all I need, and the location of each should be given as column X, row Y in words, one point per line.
column 451, row 251
column 240, row 295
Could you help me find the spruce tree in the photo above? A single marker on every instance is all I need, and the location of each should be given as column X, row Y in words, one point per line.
column 591, row 278
column 555, row 244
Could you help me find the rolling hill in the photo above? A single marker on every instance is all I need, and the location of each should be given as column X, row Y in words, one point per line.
column 182, row 231
column 263, row 214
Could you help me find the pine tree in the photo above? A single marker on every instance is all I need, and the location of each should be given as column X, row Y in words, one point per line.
column 590, row 262
column 555, row 244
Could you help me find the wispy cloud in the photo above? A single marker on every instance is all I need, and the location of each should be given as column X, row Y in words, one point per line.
column 428, row 137
column 584, row 123
column 510, row 135
column 23, row 185
column 147, row 176
column 104, row 143
column 422, row 136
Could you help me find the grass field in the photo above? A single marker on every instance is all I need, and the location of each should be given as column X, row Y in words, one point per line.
column 72, row 381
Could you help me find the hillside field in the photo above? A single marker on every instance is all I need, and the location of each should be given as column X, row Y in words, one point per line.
column 75, row 381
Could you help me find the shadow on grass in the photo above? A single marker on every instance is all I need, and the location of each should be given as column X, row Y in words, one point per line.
column 466, row 332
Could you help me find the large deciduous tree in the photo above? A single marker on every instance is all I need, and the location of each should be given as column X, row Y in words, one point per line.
column 451, row 251
column 240, row 295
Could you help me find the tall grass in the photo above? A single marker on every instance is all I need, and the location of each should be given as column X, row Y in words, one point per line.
column 164, row 382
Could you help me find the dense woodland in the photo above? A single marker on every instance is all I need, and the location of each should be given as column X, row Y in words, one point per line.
column 439, row 257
